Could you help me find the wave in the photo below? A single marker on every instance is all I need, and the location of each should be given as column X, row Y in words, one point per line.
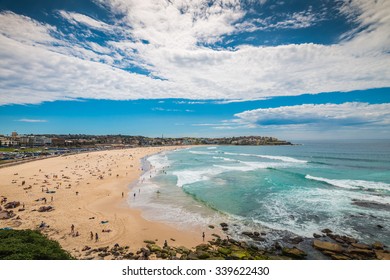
column 352, row 184
column 211, row 148
column 187, row 177
column 225, row 159
column 202, row 153
column 159, row 161
column 281, row 158
column 252, row 165
column 351, row 159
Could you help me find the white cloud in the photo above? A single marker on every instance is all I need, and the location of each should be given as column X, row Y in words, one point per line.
column 38, row 63
column 295, row 20
column 25, row 30
column 76, row 18
column 346, row 114
column 32, row 121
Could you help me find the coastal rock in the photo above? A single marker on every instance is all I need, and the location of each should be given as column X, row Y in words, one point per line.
column 12, row 205
column 339, row 257
column 381, row 255
column 149, row 242
column 224, row 225
column 129, row 256
column 211, row 226
column 154, row 248
column 4, row 215
column 247, row 233
column 224, row 251
column 258, row 238
column 316, row 235
column 103, row 249
column 348, row 239
column 145, row 253
column 254, row 235
column 361, row 246
column 182, row 250
column 202, row 255
column 362, row 252
column 327, row 246
column 296, row 240
column 103, row 254
column 294, row 253
column 192, row 256
column 277, row 246
column 372, row 205
column 326, row 231
column 239, row 255
column 377, row 245
column 45, row 209
column 86, row 248
column 202, row 247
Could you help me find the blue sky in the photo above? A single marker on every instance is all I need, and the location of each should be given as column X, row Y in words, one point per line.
column 291, row 69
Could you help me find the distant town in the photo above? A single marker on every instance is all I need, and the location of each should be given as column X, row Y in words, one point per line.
column 19, row 147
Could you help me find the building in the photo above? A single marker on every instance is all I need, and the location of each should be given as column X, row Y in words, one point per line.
column 58, row 141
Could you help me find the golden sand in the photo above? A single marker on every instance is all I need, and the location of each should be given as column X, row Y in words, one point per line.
column 86, row 190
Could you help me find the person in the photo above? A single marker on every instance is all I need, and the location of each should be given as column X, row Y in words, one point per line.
column 72, row 228
column 122, row 194
column 91, row 235
column 203, row 235
column 96, row 237
column 165, row 244
column 134, row 195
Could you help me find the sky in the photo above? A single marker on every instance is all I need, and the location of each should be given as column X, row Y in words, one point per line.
column 293, row 69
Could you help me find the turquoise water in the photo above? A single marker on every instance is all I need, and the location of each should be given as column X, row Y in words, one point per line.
column 344, row 186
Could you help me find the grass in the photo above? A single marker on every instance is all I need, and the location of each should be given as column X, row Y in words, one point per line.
column 26, row 150
column 29, row 245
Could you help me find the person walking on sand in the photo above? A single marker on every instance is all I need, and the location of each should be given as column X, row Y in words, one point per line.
column 122, row 194
column 96, row 237
column 91, row 235
column 203, row 235
column 72, row 228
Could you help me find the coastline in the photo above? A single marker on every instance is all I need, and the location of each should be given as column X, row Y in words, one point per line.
column 86, row 190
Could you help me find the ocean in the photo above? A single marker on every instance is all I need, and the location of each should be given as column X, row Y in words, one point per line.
column 281, row 190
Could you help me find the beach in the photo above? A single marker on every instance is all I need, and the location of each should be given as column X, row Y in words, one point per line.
column 84, row 201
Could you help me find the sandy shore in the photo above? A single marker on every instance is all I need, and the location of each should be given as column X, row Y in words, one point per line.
column 85, row 190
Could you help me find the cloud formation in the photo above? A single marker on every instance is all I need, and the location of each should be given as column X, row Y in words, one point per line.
column 164, row 49
column 32, row 121
column 322, row 115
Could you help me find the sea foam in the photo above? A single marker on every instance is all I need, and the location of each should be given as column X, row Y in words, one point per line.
column 352, row 184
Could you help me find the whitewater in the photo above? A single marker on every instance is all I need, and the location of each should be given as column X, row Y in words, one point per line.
column 299, row 189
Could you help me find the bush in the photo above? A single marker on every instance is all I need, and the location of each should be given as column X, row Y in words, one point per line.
column 29, row 245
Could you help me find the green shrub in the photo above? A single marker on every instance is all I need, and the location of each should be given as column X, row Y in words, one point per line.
column 29, row 245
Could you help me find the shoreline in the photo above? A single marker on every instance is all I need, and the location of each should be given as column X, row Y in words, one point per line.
column 85, row 190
